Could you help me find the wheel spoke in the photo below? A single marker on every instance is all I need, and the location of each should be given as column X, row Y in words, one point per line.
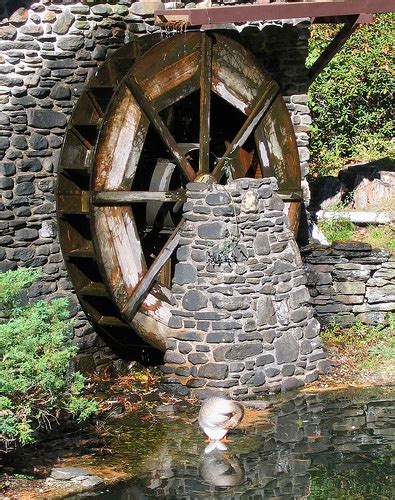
column 146, row 283
column 128, row 197
column 265, row 99
column 205, row 104
column 161, row 128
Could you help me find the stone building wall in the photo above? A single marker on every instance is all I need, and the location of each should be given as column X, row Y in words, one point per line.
column 48, row 50
column 243, row 323
column 351, row 282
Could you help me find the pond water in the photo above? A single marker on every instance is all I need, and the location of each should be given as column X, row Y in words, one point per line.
column 337, row 445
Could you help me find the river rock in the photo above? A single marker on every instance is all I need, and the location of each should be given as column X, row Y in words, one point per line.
column 325, row 192
column 62, row 25
column 20, row 16
column 372, row 184
column 375, row 194
column 67, row 473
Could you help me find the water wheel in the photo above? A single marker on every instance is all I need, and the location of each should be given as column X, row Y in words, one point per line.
column 192, row 107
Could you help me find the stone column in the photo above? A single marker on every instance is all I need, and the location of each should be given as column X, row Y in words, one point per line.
column 243, row 318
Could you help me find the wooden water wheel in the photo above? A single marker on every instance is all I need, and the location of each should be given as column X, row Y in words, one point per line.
column 192, row 107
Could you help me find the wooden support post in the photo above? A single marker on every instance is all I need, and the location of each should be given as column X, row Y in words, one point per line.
column 205, row 104
column 333, row 48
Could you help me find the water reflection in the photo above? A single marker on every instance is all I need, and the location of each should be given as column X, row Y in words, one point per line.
column 214, row 446
column 318, row 446
column 219, row 469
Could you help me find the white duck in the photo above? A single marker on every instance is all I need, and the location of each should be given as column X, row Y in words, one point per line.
column 218, row 415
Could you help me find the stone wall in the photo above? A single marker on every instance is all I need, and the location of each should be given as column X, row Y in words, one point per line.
column 351, row 282
column 49, row 49
column 243, row 316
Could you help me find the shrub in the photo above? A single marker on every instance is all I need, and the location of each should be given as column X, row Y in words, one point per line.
column 352, row 99
column 37, row 386
column 339, row 228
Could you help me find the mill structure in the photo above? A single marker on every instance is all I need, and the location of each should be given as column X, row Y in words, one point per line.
column 179, row 181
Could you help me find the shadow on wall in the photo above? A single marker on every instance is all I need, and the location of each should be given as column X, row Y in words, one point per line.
column 362, row 186
column 8, row 7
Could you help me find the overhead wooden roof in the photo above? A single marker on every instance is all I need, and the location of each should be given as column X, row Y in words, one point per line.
column 316, row 10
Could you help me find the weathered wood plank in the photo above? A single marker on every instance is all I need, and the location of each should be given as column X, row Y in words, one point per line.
column 205, row 102
column 127, row 197
column 173, row 82
column 241, row 162
column 236, row 79
column 86, row 133
column 122, row 140
column 73, row 203
column 286, row 195
column 161, row 128
column 277, row 148
column 262, row 105
column 121, row 254
column 94, row 289
column 165, row 274
column 146, row 283
column 273, row 11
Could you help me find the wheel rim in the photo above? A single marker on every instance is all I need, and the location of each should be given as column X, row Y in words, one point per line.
column 195, row 107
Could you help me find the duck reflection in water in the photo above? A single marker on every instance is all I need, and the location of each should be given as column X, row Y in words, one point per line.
column 221, row 469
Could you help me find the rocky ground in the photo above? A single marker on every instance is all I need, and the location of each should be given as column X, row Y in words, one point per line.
column 346, row 373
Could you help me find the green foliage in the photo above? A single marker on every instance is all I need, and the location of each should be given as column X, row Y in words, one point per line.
column 356, row 334
column 223, row 252
column 352, row 480
column 368, row 345
column 11, row 284
column 339, row 228
column 36, row 383
column 352, row 99
column 380, row 237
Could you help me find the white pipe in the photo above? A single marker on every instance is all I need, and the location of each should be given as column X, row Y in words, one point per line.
column 359, row 217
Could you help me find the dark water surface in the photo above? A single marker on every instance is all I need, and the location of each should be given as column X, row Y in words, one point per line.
column 337, row 445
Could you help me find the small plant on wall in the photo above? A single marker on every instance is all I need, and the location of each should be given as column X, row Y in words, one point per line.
column 37, row 385
column 224, row 252
column 229, row 250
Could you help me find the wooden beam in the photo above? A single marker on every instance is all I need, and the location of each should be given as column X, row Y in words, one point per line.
column 208, row 18
column 333, row 48
column 160, row 127
column 128, row 197
column 205, row 102
column 77, row 203
column 146, row 283
column 362, row 19
column 266, row 97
